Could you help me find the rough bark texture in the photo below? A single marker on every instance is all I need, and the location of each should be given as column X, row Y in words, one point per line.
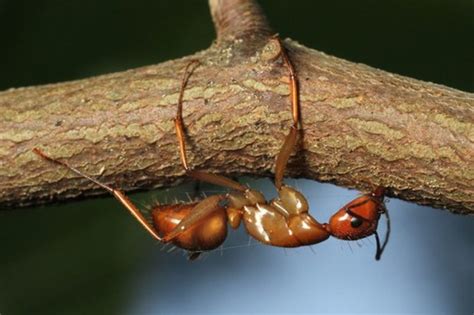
column 362, row 126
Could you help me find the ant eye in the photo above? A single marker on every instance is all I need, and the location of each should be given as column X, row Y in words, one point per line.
column 356, row 222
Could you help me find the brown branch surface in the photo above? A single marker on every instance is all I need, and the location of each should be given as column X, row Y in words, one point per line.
column 362, row 126
column 238, row 19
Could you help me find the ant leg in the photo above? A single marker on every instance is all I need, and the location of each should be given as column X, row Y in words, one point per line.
column 294, row 91
column 120, row 196
column 284, row 156
column 178, row 121
column 290, row 140
column 179, row 125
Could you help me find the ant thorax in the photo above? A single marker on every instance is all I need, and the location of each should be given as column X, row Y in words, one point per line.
column 283, row 222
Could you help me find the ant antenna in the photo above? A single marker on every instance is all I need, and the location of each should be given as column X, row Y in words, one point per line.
column 380, row 249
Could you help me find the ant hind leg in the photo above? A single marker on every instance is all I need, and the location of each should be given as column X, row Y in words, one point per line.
column 119, row 195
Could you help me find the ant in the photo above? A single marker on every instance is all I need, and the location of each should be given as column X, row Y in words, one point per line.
column 284, row 221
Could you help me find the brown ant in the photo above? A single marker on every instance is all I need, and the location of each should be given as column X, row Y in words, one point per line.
column 283, row 222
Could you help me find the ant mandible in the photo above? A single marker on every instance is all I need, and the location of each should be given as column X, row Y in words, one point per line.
column 283, row 222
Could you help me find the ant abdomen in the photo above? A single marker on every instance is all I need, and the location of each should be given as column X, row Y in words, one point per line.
column 207, row 234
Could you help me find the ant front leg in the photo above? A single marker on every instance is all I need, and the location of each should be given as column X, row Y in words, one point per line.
column 120, row 196
column 291, row 138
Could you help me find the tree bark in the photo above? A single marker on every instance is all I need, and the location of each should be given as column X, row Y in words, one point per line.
column 362, row 127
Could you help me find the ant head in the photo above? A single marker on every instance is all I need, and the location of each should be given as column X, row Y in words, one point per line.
column 356, row 220
column 359, row 219
column 347, row 226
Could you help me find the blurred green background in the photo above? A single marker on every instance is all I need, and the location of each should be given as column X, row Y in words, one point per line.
column 84, row 257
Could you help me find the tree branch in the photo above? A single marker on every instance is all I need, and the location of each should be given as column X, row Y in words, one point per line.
column 239, row 19
column 362, row 126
